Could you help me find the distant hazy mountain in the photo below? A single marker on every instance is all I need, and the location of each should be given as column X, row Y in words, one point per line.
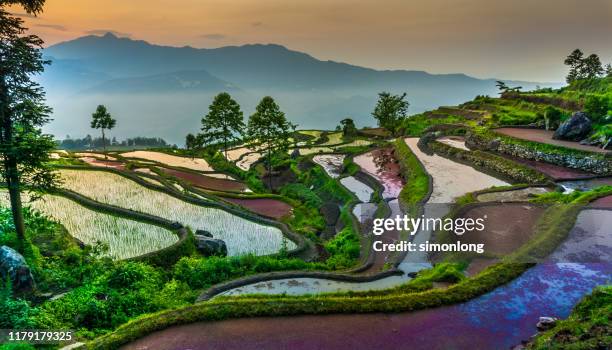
column 163, row 91
column 184, row 81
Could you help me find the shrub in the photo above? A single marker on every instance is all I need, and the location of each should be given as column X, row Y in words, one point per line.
column 344, row 249
column 204, row 272
column 552, row 117
column 14, row 313
column 597, row 107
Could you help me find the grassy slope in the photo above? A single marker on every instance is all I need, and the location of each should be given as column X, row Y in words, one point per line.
column 522, row 109
column 588, row 326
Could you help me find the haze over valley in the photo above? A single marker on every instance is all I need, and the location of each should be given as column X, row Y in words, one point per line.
column 164, row 91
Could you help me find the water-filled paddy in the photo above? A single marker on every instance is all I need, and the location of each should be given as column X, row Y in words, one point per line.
column 207, row 182
column 124, row 238
column 361, row 190
column 585, row 185
column 451, row 179
column 103, row 163
column 241, row 236
column 168, row 159
column 331, row 163
column 272, row 208
column 553, row 171
column 382, row 165
column 248, row 160
column 497, row 320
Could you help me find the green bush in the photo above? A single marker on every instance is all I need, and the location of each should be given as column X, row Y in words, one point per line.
column 302, row 193
column 344, row 249
column 14, row 313
column 125, row 290
column 200, row 273
column 597, row 107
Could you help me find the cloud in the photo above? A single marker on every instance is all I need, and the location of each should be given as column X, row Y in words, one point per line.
column 52, row 26
column 257, row 24
column 106, row 31
column 23, row 14
column 214, row 36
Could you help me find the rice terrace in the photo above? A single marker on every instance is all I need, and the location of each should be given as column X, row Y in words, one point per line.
column 263, row 224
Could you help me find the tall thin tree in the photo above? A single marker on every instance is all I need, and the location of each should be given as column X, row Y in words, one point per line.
column 24, row 149
column 269, row 131
column 575, row 61
column 223, row 122
column 102, row 119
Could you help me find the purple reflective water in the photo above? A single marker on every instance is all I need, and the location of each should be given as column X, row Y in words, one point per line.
column 497, row 320
column 509, row 314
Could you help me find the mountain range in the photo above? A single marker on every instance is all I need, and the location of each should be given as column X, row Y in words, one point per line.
column 163, row 91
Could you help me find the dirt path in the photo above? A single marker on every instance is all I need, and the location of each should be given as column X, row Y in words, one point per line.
column 545, row 136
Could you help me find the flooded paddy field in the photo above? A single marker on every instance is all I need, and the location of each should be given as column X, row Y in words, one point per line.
column 207, row 182
column 272, row 208
column 382, row 165
column 497, row 320
column 331, row 163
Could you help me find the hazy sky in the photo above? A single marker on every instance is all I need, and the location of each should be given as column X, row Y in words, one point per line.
column 512, row 39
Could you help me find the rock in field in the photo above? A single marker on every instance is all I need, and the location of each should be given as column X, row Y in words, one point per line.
column 546, row 323
column 14, row 266
column 210, row 246
column 575, row 128
column 203, row 233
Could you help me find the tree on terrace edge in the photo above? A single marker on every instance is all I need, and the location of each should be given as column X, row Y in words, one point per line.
column 23, row 147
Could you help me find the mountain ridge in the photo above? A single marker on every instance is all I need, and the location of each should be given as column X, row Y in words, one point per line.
column 314, row 93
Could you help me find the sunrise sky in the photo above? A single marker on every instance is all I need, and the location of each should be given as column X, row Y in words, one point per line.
column 517, row 39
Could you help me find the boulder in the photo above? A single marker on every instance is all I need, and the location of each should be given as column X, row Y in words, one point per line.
column 14, row 267
column 546, row 323
column 494, row 144
column 575, row 128
column 210, row 246
column 295, row 153
column 203, row 233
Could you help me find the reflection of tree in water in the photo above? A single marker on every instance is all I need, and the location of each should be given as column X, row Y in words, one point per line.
column 382, row 158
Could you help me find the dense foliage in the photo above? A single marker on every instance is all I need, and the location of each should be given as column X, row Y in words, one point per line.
column 89, row 142
column 390, row 111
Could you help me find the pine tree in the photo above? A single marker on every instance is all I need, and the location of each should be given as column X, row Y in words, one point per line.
column 269, row 131
column 224, row 121
column 575, row 62
column 102, row 119
column 24, row 149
